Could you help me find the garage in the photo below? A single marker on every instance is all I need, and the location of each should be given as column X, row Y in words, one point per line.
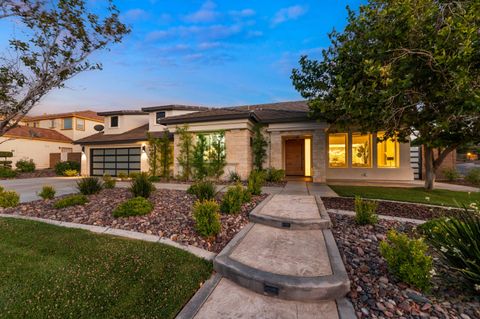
column 113, row 161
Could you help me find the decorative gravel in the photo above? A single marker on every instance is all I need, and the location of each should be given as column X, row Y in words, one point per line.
column 377, row 294
column 171, row 217
column 35, row 174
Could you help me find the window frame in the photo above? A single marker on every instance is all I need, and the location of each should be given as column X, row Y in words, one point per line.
column 71, row 123
column 111, row 121
column 157, row 117
column 397, row 152
column 370, row 142
column 76, row 124
column 346, row 150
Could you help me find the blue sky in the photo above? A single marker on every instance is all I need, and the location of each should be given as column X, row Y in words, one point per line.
column 215, row 53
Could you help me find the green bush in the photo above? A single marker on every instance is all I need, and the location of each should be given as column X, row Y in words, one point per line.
column 365, row 211
column 6, row 164
column 154, row 179
column 8, row 198
column 133, row 207
column 122, row 175
column 89, row 185
column 141, row 185
column 407, row 259
column 61, row 167
column 70, row 173
column 109, row 182
column 133, row 175
column 256, row 179
column 234, row 177
column 274, row 175
column 47, row 192
column 71, row 201
column 25, row 166
column 202, row 190
column 232, row 200
column 207, row 218
column 6, row 172
column 451, row 174
column 473, row 176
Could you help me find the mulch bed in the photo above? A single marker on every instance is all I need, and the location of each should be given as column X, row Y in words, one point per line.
column 219, row 182
column 405, row 210
column 376, row 294
column 170, row 218
column 35, row 174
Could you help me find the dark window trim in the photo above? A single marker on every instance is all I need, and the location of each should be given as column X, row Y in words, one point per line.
column 111, row 121
column 159, row 116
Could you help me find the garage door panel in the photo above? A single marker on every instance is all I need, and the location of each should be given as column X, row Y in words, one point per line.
column 113, row 161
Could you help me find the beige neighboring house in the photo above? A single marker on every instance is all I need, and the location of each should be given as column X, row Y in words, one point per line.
column 297, row 144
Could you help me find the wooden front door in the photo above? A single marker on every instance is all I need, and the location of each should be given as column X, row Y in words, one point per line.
column 294, row 157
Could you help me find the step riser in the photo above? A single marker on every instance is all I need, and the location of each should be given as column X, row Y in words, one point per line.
column 289, row 224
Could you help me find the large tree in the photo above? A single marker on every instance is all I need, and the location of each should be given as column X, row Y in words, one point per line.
column 407, row 67
column 56, row 39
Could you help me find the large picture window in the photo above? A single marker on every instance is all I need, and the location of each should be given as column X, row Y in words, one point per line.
column 67, row 123
column 361, row 150
column 387, row 152
column 337, row 150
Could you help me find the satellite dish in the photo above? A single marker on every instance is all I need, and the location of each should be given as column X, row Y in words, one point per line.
column 98, row 127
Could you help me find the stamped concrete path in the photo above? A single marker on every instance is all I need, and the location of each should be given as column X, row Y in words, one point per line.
column 284, row 264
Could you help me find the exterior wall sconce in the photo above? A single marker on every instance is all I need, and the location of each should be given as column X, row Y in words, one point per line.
column 83, row 149
column 144, row 149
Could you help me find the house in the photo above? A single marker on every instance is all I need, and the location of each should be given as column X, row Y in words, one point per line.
column 297, row 144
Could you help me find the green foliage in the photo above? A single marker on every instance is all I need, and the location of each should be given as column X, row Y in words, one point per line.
column 232, row 200
column 203, row 190
column 141, row 186
column 199, row 163
column 8, row 198
column 122, row 175
column 365, row 211
column 70, row 173
column 133, row 174
column 6, row 163
column 256, row 179
column 234, row 177
column 407, row 259
column 61, row 167
column 166, row 155
column 25, row 165
column 473, row 176
column 108, row 182
column 72, row 200
column 6, row 154
column 89, row 185
column 207, row 218
column 6, row 172
column 153, row 154
column 133, row 207
column 186, row 149
column 217, row 157
column 259, row 147
column 154, row 179
column 47, row 192
column 274, row 175
column 451, row 174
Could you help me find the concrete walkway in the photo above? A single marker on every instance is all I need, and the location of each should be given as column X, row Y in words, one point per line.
column 405, row 184
column 28, row 188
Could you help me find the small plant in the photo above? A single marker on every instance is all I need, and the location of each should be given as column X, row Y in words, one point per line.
column 47, row 192
column 25, row 165
column 133, row 207
column 407, row 259
column 185, row 146
column 123, row 176
column 207, row 218
column 202, row 190
column 199, row 161
column 256, row 179
column 274, row 175
column 109, row 182
column 6, row 172
column 141, row 185
column 133, row 175
column 89, row 185
column 61, row 167
column 154, row 179
column 473, row 176
column 234, row 177
column 365, row 211
column 8, row 198
column 259, row 147
column 72, row 200
column 232, row 200
column 451, row 174
column 70, row 172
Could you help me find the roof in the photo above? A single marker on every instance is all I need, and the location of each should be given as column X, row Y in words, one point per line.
column 171, row 107
column 123, row 112
column 209, row 116
column 136, row 135
column 90, row 115
column 36, row 133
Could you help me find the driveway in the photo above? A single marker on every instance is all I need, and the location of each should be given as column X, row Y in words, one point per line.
column 29, row 187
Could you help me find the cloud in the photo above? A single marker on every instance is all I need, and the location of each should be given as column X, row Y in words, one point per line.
column 135, row 14
column 218, row 31
column 287, row 14
column 245, row 13
column 206, row 13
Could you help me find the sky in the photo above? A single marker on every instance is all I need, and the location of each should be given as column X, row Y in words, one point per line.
column 213, row 53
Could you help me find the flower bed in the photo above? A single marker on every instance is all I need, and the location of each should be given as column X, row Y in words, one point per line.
column 376, row 294
column 171, row 216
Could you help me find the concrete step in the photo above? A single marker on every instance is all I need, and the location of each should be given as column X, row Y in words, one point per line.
column 292, row 212
column 302, row 265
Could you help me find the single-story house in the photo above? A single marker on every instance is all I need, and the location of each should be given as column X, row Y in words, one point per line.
column 299, row 145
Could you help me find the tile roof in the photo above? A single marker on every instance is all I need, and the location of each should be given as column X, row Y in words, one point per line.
column 136, row 135
column 36, row 133
column 171, row 107
column 91, row 115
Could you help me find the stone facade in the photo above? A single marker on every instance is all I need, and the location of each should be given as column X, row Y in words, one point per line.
column 239, row 152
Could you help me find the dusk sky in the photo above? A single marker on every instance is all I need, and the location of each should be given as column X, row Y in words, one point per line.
column 214, row 53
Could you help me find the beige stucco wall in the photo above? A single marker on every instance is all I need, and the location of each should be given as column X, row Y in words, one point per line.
column 125, row 123
column 73, row 134
column 152, row 119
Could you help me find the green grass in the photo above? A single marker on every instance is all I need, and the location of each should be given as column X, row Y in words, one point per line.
column 415, row 195
column 54, row 272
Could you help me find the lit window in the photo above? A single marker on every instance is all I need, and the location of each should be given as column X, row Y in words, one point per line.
column 361, row 150
column 214, row 140
column 67, row 123
column 114, row 121
column 387, row 152
column 337, row 150
column 80, row 124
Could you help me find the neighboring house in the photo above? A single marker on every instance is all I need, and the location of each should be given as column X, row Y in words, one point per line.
column 297, row 144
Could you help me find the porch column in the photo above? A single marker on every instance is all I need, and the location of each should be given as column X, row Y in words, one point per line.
column 276, row 153
column 319, row 160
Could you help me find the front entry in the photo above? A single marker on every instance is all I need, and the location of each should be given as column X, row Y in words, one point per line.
column 295, row 157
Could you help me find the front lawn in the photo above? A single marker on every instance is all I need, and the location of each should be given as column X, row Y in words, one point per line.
column 56, row 272
column 415, row 195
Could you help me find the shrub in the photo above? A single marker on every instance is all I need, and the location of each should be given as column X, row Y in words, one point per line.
column 71, row 201
column 202, row 190
column 274, row 175
column 70, row 172
column 247, row 196
column 365, row 211
column 473, row 176
column 141, row 185
column 133, row 207
column 133, row 175
column 89, row 185
column 232, row 200
column 199, row 163
column 259, row 147
column 6, row 172
column 61, row 167
column 154, row 179
column 207, row 218
column 122, row 175
column 256, row 179
column 8, row 198
column 25, row 166
column 47, row 192
column 451, row 174
column 407, row 259
column 217, row 157
column 108, row 181
column 234, row 177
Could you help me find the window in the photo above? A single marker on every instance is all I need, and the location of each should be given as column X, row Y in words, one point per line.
column 67, row 123
column 114, row 121
column 337, row 150
column 214, row 138
column 159, row 116
column 80, row 124
column 361, row 150
column 53, row 123
column 36, row 124
column 387, row 152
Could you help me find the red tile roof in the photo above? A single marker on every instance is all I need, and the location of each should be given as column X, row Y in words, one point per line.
column 36, row 133
column 90, row 115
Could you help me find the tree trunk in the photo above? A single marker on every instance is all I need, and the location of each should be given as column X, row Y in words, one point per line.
column 429, row 168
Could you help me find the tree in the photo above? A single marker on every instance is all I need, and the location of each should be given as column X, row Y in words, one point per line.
column 59, row 37
column 199, row 163
column 166, row 155
column 153, row 154
column 259, row 147
column 217, row 157
column 407, row 67
column 185, row 156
